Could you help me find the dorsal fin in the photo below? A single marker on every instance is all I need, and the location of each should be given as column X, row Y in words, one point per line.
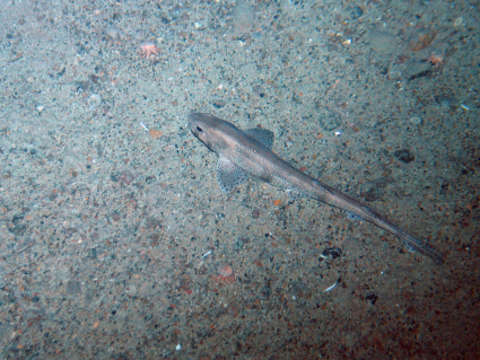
column 263, row 136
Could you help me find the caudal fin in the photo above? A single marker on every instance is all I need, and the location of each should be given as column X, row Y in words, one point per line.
column 422, row 247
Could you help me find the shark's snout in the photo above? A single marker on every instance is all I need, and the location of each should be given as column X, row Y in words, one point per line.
column 195, row 123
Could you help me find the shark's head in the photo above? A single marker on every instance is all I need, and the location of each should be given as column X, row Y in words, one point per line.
column 209, row 130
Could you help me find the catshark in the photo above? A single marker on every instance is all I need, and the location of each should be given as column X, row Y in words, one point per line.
column 249, row 153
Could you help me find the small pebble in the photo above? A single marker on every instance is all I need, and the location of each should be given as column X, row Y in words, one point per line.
column 404, row 155
column 372, row 298
column 416, row 120
column 333, row 252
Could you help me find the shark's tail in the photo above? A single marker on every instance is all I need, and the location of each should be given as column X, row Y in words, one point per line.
column 422, row 247
column 343, row 201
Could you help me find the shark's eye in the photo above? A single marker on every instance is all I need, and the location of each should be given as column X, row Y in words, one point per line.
column 199, row 129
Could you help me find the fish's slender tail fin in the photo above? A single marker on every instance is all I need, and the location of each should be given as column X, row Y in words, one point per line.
column 420, row 246
column 338, row 199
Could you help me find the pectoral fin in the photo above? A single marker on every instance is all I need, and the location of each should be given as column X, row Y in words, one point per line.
column 229, row 175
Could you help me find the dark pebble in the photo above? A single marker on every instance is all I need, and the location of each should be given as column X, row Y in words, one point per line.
column 219, row 104
column 18, row 229
column 240, row 243
column 333, row 252
column 17, row 218
column 372, row 298
column 373, row 194
column 355, row 12
column 150, row 179
column 404, row 155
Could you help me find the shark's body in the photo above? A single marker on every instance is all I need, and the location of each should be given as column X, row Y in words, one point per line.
column 243, row 153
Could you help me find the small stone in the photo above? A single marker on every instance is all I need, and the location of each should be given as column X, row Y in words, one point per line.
column 333, row 252
column 372, row 298
column 404, row 155
column 416, row 120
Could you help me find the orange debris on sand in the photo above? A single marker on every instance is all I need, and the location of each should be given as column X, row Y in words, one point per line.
column 155, row 133
column 225, row 274
column 149, row 49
